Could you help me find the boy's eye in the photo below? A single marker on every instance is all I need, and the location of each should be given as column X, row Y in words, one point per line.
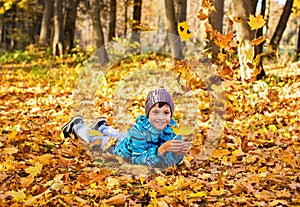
column 167, row 112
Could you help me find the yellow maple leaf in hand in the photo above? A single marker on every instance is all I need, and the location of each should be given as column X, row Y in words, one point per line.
column 256, row 22
column 182, row 130
column 184, row 32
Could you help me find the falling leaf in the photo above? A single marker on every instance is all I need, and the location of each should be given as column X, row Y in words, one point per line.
column 184, row 32
column 258, row 40
column 18, row 196
column 256, row 22
column 202, row 15
column 34, row 171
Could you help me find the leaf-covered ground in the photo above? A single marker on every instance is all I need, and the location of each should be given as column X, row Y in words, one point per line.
column 256, row 163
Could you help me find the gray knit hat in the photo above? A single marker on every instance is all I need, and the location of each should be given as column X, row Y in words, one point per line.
column 158, row 95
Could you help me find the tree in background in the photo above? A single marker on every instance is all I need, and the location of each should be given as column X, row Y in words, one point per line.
column 112, row 20
column 57, row 44
column 173, row 41
column 281, row 25
column 216, row 21
column 137, row 13
column 98, row 31
column 242, row 9
column 70, row 23
column 45, row 33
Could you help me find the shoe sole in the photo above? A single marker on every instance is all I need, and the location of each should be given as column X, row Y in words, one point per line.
column 65, row 129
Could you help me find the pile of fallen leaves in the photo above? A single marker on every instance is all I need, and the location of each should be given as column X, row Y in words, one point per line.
column 256, row 163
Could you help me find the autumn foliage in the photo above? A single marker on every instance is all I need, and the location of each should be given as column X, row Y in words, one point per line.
column 255, row 164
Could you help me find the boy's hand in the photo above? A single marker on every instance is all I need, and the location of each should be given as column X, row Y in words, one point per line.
column 184, row 150
column 177, row 146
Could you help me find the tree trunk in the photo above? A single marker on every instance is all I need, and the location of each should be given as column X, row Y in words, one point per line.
column 98, row 32
column 216, row 21
column 125, row 17
column 45, row 33
column 70, row 23
column 173, row 38
column 182, row 7
column 281, row 25
column 259, row 48
column 137, row 13
column 243, row 9
column 112, row 20
column 57, row 46
column 298, row 39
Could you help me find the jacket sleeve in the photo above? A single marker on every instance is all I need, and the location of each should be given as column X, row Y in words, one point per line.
column 144, row 153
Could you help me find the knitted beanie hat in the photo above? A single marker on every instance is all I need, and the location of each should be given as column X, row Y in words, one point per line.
column 158, row 95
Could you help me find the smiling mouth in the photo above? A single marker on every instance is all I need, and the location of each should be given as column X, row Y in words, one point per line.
column 160, row 123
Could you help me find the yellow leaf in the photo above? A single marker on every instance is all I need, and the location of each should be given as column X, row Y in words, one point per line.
column 12, row 134
column 182, row 130
column 152, row 194
column 26, row 181
column 160, row 180
column 142, row 180
column 94, row 133
column 184, row 32
column 17, row 195
column 216, row 192
column 10, row 150
column 199, row 194
column 111, row 141
column 45, row 158
column 34, row 171
column 256, row 22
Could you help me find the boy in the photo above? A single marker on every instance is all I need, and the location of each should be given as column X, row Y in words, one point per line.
column 150, row 141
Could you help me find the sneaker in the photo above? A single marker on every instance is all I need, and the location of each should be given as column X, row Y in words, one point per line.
column 67, row 129
column 98, row 123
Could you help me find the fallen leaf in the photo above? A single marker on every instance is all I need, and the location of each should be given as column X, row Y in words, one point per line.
column 11, row 150
column 34, row 171
column 18, row 196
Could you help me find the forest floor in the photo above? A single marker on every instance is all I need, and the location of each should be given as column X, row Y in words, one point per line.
column 257, row 161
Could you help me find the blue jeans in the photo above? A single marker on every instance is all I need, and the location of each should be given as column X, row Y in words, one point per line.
column 82, row 131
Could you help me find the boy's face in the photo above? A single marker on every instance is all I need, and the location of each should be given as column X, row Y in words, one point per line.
column 160, row 117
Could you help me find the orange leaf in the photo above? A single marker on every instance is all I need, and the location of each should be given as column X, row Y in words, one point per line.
column 245, row 147
column 202, row 15
column 258, row 40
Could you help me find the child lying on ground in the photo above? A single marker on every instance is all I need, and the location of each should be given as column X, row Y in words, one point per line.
column 150, row 141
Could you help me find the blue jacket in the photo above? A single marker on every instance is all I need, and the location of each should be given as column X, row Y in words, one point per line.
column 141, row 144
